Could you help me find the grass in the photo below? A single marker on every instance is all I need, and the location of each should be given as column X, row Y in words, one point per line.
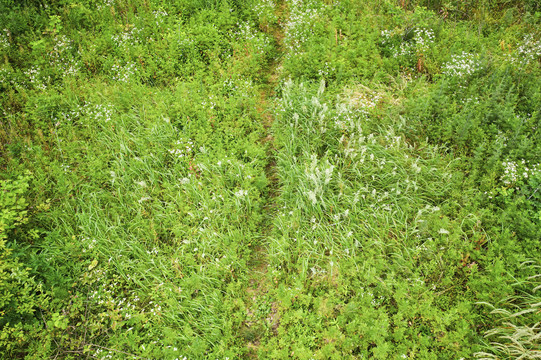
column 303, row 179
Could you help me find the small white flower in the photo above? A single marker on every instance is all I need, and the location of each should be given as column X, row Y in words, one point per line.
column 241, row 193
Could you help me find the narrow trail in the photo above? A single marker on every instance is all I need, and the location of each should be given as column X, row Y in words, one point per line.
column 261, row 311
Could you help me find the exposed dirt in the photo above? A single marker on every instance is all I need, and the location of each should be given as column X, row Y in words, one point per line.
column 262, row 316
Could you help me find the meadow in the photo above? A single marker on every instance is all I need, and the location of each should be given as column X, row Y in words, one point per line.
column 263, row 179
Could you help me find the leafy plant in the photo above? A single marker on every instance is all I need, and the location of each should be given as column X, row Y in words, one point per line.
column 21, row 297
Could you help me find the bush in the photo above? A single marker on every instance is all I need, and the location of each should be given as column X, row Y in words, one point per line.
column 20, row 295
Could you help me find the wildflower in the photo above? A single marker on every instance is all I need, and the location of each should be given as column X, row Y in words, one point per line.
column 462, row 65
column 123, row 73
column 241, row 193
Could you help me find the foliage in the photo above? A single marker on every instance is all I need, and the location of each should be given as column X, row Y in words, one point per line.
column 21, row 296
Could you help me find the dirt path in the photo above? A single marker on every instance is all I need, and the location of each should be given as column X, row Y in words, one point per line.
column 262, row 311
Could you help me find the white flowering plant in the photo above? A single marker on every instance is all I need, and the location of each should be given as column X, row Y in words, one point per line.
column 462, row 65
